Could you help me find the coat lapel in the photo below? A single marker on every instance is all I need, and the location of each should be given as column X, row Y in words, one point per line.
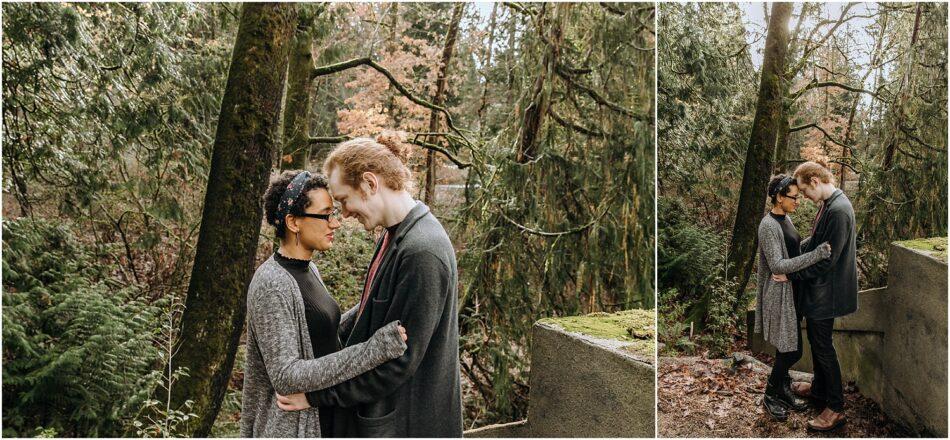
column 361, row 330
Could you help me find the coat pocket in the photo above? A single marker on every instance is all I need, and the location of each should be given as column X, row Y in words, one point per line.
column 380, row 309
column 383, row 426
column 818, row 303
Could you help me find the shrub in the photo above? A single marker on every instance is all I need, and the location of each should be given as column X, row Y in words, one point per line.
column 77, row 347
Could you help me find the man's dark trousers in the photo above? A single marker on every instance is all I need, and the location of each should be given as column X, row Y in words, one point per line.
column 826, row 387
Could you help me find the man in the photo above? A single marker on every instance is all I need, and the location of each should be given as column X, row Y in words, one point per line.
column 832, row 293
column 412, row 278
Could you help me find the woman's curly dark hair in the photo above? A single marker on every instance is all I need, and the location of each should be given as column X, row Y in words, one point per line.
column 773, row 190
column 275, row 191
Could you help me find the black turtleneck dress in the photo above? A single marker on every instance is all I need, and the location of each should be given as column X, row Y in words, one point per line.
column 323, row 319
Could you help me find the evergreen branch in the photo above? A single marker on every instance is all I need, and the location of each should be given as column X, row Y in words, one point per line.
column 592, row 132
column 600, row 99
column 581, row 228
column 907, row 131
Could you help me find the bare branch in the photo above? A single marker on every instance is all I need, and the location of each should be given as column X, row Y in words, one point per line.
column 818, row 127
column 430, row 146
column 414, row 139
column 820, row 84
column 328, row 139
column 366, row 61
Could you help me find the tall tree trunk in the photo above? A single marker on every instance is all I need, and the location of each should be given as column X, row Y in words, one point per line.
column 902, row 95
column 510, row 57
column 782, row 153
column 245, row 140
column 537, row 107
column 848, row 131
column 296, row 150
column 439, row 97
column 488, row 53
column 758, row 163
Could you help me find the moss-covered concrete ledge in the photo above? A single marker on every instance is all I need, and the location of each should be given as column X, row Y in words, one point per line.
column 591, row 376
column 935, row 247
column 630, row 331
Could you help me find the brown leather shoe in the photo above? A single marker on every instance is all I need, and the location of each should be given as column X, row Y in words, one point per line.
column 826, row 421
column 801, row 389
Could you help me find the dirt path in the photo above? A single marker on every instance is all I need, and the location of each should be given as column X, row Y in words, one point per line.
column 700, row 397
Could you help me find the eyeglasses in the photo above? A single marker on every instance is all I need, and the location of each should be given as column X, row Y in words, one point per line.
column 327, row 217
column 796, row 197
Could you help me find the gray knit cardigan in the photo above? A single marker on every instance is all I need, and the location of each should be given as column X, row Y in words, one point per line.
column 775, row 303
column 280, row 356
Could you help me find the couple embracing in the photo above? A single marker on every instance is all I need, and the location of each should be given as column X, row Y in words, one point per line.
column 815, row 279
column 388, row 367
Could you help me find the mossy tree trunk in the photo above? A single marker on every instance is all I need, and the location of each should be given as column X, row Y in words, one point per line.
column 761, row 150
column 439, row 97
column 296, row 120
column 246, row 137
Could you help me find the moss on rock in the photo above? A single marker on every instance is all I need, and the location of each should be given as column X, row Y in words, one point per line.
column 935, row 246
column 636, row 327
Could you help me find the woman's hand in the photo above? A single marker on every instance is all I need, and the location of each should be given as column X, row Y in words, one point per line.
column 293, row 402
column 780, row 278
column 402, row 333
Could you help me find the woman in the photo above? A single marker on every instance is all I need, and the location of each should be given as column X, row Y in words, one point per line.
column 776, row 312
column 293, row 341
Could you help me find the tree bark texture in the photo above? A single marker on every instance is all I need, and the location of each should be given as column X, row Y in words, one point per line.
column 758, row 163
column 440, row 84
column 296, row 150
column 246, row 137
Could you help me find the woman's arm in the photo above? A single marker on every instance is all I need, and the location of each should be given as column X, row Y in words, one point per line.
column 279, row 340
column 347, row 319
column 771, row 241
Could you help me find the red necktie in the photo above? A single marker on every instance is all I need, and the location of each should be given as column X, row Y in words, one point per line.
column 372, row 272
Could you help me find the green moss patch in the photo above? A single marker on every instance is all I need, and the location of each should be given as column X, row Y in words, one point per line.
column 936, row 246
column 637, row 327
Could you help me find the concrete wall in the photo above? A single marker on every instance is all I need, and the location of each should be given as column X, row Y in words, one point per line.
column 915, row 341
column 894, row 347
column 583, row 386
column 858, row 339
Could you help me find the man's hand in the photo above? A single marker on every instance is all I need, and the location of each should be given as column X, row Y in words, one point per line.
column 293, row 402
column 780, row 278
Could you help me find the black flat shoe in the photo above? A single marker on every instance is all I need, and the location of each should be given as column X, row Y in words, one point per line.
column 791, row 400
column 775, row 407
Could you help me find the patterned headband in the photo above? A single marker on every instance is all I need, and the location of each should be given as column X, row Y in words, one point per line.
column 290, row 195
column 781, row 185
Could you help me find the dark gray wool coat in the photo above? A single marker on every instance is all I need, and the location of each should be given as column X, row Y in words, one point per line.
column 833, row 282
column 418, row 394
column 280, row 356
column 775, row 315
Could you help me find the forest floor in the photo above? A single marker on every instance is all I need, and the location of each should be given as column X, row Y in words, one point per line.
column 701, row 397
